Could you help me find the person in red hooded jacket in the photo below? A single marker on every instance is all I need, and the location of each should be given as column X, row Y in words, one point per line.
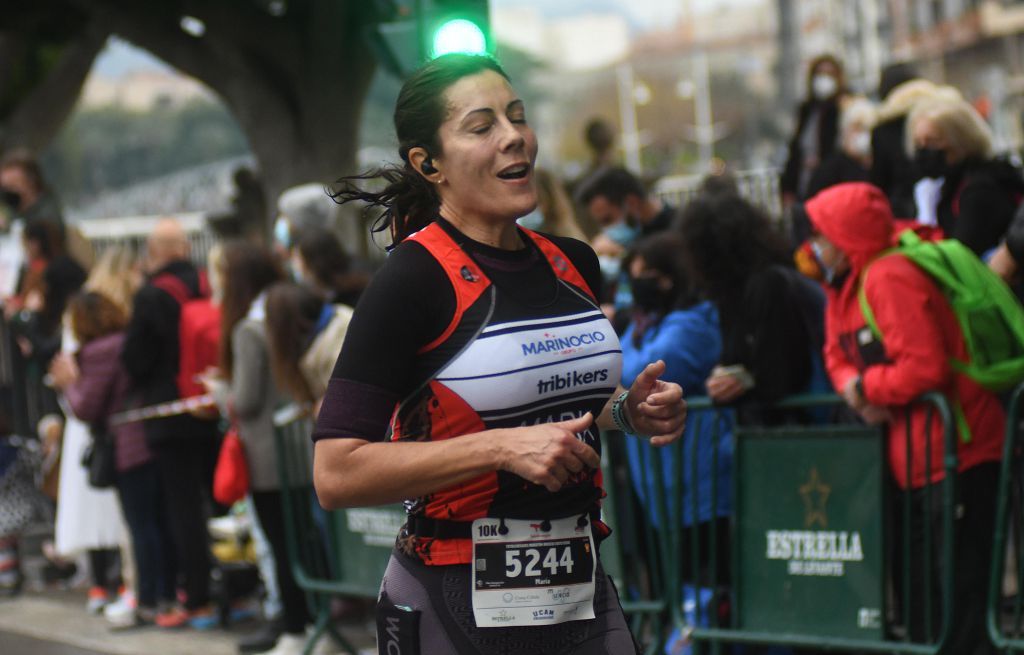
column 853, row 226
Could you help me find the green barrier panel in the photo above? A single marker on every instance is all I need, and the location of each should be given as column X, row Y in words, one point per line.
column 1006, row 623
column 639, row 587
column 365, row 537
column 318, row 559
column 809, row 531
column 810, row 565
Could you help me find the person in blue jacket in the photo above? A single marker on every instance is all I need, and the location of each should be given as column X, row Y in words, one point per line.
column 670, row 323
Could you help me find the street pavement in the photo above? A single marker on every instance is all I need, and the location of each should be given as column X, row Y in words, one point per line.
column 14, row 644
column 56, row 623
column 60, row 618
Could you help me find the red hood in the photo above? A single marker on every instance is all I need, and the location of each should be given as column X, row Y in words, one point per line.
column 856, row 218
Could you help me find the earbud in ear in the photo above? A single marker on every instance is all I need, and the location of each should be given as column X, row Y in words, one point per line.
column 428, row 167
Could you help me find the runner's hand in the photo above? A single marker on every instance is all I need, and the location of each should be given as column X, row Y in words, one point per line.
column 656, row 407
column 549, row 454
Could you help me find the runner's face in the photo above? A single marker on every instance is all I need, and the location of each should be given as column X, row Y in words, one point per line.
column 488, row 152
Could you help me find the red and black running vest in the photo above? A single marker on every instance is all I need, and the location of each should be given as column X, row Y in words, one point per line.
column 505, row 365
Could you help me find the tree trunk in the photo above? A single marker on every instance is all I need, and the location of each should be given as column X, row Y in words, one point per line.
column 39, row 115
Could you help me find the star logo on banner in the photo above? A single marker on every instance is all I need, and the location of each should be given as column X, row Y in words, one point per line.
column 815, row 494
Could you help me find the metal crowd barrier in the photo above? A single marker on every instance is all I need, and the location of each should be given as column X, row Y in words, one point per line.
column 813, row 532
column 1005, row 611
column 336, row 553
column 759, row 186
column 131, row 233
column 812, row 561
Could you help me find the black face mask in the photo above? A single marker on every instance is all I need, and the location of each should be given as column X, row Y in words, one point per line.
column 647, row 295
column 931, row 162
column 10, row 198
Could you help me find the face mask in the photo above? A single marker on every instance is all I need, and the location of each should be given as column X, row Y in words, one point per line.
column 622, row 234
column 295, row 268
column 828, row 273
column 10, row 198
column 282, row 233
column 610, row 267
column 647, row 294
column 824, row 86
column 931, row 162
column 860, row 144
column 532, row 221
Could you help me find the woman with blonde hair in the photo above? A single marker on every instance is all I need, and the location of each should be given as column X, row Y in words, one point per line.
column 116, row 276
column 949, row 140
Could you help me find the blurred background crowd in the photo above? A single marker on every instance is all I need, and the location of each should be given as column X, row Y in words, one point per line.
column 171, row 241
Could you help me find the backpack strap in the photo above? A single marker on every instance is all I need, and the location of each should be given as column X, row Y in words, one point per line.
column 173, row 286
column 560, row 263
column 907, row 238
column 862, row 296
column 468, row 280
column 205, row 290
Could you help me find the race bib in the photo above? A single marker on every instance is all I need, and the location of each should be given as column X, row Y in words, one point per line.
column 532, row 572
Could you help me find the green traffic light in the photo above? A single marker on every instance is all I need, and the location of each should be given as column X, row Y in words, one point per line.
column 459, row 35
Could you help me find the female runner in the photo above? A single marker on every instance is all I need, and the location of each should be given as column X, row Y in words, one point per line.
column 468, row 386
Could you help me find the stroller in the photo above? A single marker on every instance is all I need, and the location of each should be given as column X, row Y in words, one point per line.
column 21, row 504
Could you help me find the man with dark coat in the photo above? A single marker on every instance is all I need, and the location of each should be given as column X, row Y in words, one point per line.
column 184, row 446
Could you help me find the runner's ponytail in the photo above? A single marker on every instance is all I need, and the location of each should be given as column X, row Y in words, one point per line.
column 408, row 201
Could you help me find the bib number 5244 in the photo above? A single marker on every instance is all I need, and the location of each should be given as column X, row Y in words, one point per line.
column 533, row 563
column 525, row 562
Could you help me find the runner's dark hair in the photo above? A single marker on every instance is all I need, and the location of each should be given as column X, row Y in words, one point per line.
column 408, row 200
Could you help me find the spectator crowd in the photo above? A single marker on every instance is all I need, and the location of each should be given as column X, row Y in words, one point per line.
column 744, row 308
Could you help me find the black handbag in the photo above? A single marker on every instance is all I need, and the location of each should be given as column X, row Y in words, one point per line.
column 99, row 459
column 100, row 456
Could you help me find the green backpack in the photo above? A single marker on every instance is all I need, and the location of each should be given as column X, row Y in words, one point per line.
column 989, row 314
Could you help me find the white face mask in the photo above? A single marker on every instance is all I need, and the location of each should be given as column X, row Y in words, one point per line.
column 297, row 269
column 282, row 232
column 610, row 267
column 859, row 143
column 532, row 221
column 824, row 86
